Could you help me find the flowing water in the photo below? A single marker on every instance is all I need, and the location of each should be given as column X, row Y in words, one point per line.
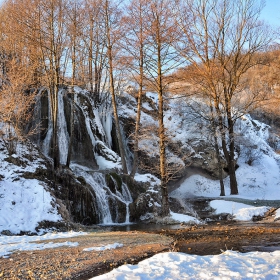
column 107, row 200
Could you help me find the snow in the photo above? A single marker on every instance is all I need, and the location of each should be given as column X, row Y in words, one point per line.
column 23, row 195
column 147, row 178
column 107, row 164
column 9, row 244
column 105, row 247
column 111, row 161
column 24, row 202
column 259, row 181
column 183, row 218
column 226, row 266
column 240, row 211
column 277, row 215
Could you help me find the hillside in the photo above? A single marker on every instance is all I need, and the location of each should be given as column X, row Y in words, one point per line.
column 93, row 190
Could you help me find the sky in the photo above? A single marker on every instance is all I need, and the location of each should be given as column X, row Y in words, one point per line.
column 270, row 12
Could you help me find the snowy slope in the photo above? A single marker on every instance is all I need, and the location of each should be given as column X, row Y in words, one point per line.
column 23, row 202
column 179, row 266
column 257, row 180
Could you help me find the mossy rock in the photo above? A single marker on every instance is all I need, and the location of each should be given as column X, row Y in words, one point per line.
column 118, row 179
column 135, row 188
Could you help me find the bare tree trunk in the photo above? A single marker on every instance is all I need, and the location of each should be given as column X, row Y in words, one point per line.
column 112, row 89
column 90, row 53
column 229, row 155
column 56, row 155
column 161, row 130
column 137, row 126
column 69, row 154
column 216, row 146
column 72, row 91
column 231, row 163
column 139, row 98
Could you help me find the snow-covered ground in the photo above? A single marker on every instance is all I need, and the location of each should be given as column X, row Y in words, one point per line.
column 261, row 181
column 174, row 266
column 239, row 211
column 9, row 244
column 26, row 202
column 23, row 202
column 105, row 247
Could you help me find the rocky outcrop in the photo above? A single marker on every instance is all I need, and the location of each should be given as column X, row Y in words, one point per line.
column 82, row 148
column 196, row 149
column 76, row 199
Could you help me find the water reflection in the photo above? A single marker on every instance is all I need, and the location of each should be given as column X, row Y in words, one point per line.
column 139, row 227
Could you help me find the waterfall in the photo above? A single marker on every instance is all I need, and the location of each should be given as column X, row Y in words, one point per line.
column 128, row 154
column 128, row 200
column 107, row 123
column 103, row 194
column 47, row 141
column 112, row 197
column 124, row 197
column 98, row 183
column 63, row 136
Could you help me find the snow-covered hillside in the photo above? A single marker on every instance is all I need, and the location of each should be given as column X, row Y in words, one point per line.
column 95, row 167
column 258, row 173
column 24, row 202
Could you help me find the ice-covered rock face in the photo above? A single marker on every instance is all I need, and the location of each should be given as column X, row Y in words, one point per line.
column 188, row 137
column 92, row 199
column 85, row 129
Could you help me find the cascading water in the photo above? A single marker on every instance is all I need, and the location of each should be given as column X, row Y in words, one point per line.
column 124, row 197
column 63, row 136
column 104, row 194
column 128, row 200
column 98, row 183
column 47, row 141
column 128, row 154
column 111, row 202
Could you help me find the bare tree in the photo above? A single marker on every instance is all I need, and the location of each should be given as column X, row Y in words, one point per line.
column 112, row 18
column 95, row 46
column 74, row 26
column 135, row 40
column 221, row 40
column 16, row 99
column 161, row 58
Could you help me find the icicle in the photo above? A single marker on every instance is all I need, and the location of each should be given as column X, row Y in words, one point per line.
column 97, row 182
column 63, row 136
column 108, row 128
column 47, row 141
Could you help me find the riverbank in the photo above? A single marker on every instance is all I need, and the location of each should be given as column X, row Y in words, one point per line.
column 76, row 262
column 82, row 262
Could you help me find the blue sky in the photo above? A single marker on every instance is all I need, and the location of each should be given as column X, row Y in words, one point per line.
column 271, row 12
